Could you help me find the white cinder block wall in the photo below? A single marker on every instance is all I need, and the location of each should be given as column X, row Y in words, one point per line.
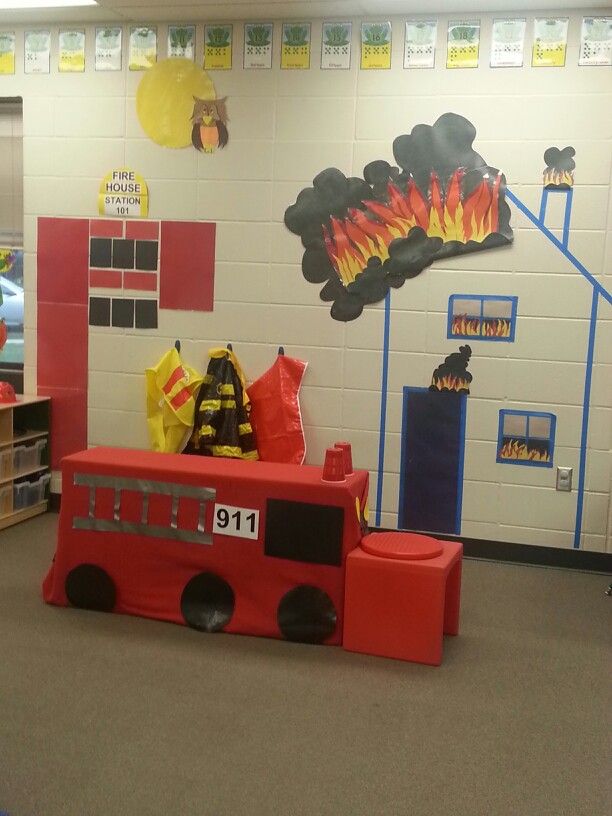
column 286, row 126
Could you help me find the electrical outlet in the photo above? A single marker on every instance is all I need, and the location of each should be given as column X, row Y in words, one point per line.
column 564, row 479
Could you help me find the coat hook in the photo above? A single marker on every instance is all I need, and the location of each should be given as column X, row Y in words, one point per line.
column 281, row 350
column 229, row 347
column 177, row 345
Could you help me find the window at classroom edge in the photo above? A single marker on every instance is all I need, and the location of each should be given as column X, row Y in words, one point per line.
column 482, row 317
column 526, row 438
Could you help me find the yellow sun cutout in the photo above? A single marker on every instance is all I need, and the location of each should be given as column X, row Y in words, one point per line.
column 164, row 100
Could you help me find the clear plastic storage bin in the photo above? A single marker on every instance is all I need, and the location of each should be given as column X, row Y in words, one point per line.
column 36, row 491
column 19, row 495
column 6, row 496
column 6, row 462
column 28, row 457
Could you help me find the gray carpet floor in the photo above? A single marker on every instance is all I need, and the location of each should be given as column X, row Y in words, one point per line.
column 106, row 715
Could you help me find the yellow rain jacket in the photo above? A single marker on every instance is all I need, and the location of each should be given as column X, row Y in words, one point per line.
column 172, row 388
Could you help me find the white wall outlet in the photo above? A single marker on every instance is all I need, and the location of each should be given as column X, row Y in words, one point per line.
column 564, row 479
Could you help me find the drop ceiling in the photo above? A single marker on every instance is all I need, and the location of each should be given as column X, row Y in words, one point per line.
column 188, row 10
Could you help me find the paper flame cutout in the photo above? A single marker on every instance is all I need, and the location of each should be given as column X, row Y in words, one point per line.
column 515, row 449
column 465, row 326
column 445, row 214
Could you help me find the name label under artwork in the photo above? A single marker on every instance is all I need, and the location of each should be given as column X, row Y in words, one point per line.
column 123, row 192
column 239, row 522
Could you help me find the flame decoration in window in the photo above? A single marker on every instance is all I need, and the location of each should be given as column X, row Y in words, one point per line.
column 482, row 317
column 526, row 438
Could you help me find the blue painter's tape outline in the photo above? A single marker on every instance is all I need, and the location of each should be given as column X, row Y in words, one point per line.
column 462, row 430
column 554, row 240
column 586, row 403
column 407, row 389
column 383, row 410
column 568, row 213
column 543, row 203
column 449, row 322
column 528, row 462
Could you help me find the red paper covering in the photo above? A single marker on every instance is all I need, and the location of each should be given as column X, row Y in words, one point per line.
column 275, row 412
column 151, row 570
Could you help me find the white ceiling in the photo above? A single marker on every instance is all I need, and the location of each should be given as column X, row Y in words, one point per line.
column 191, row 11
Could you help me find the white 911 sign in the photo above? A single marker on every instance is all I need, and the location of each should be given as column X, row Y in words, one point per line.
column 239, row 522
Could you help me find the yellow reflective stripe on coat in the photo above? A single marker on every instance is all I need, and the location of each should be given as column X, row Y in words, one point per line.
column 244, row 429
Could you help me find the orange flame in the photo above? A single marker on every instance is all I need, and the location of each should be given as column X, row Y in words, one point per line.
column 450, row 383
column 558, row 177
column 465, row 326
column 362, row 235
column 515, row 449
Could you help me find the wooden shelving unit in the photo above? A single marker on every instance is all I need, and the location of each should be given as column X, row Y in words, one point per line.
column 23, row 423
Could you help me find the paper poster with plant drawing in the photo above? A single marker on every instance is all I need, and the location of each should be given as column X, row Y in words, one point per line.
column 37, row 50
column 258, row 45
column 420, row 44
column 7, row 52
column 549, row 42
column 375, row 45
column 596, row 41
column 463, row 44
column 218, row 47
column 181, row 41
column 508, row 42
column 143, row 48
column 295, row 49
column 108, row 48
column 71, row 51
column 336, row 45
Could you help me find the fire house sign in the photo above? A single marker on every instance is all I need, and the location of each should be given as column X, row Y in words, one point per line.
column 123, row 192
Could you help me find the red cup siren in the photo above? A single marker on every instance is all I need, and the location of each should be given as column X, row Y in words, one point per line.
column 345, row 447
column 333, row 468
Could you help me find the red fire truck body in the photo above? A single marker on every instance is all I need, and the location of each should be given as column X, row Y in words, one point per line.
column 246, row 547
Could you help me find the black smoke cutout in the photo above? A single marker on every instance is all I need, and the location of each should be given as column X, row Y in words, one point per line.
column 442, row 148
column 560, row 166
column 452, row 374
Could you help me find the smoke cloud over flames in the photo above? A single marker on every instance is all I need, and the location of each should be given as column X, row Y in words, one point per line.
column 363, row 236
column 560, row 166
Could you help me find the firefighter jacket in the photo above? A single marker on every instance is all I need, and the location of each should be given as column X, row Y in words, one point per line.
column 222, row 426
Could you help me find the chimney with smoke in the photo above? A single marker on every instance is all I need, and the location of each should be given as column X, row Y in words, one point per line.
column 559, row 172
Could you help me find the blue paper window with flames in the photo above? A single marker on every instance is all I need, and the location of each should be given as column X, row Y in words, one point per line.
column 482, row 317
column 526, row 438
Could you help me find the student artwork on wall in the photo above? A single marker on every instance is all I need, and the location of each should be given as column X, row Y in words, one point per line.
column 257, row 51
column 177, row 106
column 463, row 44
column 71, row 51
column 143, row 48
column 420, row 44
column 108, row 48
column 507, row 43
column 375, row 45
column 549, row 42
column 181, row 41
column 336, row 43
column 37, row 51
column 7, row 52
column 559, row 171
column 596, row 41
column 295, row 48
column 363, row 236
column 218, row 47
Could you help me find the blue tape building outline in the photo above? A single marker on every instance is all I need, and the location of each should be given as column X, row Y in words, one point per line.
column 568, row 212
column 463, row 423
column 383, row 410
column 554, row 240
column 586, row 404
column 481, row 298
column 551, row 437
column 404, row 441
column 598, row 290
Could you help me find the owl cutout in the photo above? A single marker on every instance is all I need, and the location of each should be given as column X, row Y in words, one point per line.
column 209, row 124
